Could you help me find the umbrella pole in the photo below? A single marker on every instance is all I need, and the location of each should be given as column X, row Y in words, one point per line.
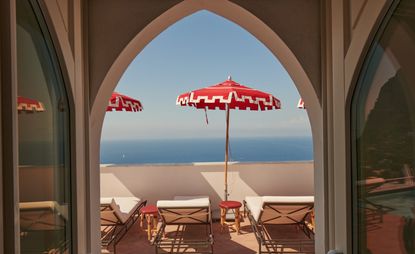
column 226, row 152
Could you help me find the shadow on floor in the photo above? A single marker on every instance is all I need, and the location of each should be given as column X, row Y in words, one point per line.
column 226, row 241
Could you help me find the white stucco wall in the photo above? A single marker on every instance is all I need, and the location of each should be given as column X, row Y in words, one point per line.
column 156, row 182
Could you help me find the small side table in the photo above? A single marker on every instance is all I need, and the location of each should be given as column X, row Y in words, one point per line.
column 224, row 207
column 151, row 214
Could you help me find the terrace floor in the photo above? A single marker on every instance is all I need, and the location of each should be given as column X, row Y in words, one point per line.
column 225, row 241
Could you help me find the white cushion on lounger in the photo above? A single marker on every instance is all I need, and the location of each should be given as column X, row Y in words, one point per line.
column 106, row 201
column 123, row 206
column 185, row 201
column 38, row 205
column 54, row 206
column 255, row 204
column 289, row 199
column 371, row 181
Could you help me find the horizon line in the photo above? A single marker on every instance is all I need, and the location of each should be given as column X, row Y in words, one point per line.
column 214, row 137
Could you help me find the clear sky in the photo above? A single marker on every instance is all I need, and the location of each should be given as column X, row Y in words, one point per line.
column 199, row 51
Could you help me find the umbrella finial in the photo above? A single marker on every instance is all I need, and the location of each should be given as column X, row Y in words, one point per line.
column 229, row 77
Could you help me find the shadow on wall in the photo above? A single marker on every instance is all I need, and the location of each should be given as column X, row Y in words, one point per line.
column 156, row 182
column 284, row 179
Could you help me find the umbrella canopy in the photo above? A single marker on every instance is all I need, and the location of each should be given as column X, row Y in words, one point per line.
column 301, row 104
column 229, row 94
column 120, row 102
column 29, row 105
column 225, row 96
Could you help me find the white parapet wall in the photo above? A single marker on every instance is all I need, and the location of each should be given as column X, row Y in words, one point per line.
column 157, row 182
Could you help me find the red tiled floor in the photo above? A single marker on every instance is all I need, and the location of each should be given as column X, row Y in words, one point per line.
column 225, row 242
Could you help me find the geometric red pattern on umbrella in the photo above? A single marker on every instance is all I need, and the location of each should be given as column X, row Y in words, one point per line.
column 225, row 96
column 229, row 94
column 29, row 105
column 120, row 102
column 301, row 104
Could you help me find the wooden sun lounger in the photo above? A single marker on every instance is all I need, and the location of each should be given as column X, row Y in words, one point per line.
column 373, row 212
column 267, row 211
column 43, row 219
column 185, row 213
column 118, row 215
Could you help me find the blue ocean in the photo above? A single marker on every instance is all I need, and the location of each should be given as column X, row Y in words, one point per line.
column 174, row 151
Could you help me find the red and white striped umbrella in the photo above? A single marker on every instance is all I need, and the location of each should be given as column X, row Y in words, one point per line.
column 228, row 95
column 120, row 102
column 29, row 105
column 301, row 104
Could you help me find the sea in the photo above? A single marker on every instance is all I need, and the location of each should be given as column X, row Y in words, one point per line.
column 179, row 151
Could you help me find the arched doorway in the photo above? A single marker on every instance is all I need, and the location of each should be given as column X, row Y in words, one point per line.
column 263, row 33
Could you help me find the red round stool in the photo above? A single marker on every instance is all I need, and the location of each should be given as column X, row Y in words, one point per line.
column 151, row 213
column 224, row 207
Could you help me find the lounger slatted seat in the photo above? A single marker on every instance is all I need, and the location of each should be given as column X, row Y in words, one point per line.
column 187, row 213
column 118, row 215
column 269, row 211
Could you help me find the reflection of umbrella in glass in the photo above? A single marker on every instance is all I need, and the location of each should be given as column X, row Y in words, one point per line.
column 120, row 102
column 29, row 105
column 301, row 104
column 228, row 95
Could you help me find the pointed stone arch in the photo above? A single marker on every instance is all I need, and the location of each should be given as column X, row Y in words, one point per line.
column 257, row 28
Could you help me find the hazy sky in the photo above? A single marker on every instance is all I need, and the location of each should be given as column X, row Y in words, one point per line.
column 199, row 51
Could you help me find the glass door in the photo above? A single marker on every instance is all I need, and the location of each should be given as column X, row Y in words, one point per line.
column 383, row 135
column 44, row 143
